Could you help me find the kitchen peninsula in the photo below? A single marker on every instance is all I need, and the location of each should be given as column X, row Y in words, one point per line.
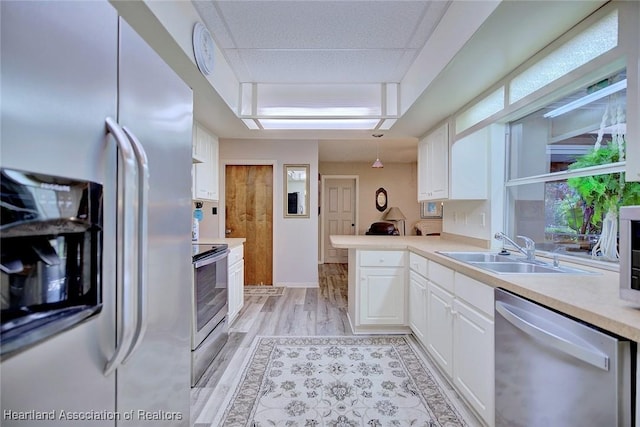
column 590, row 298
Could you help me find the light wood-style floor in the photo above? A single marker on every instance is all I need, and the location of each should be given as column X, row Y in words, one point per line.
column 299, row 311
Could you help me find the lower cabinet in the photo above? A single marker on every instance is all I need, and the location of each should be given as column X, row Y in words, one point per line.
column 449, row 313
column 460, row 335
column 440, row 327
column 382, row 284
column 418, row 306
column 473, row 352
column 382, row 296
column 235, row 282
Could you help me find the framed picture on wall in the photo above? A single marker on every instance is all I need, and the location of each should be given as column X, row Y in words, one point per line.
column 431, row 210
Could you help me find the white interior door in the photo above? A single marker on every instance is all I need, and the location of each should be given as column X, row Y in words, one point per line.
column 339, row 214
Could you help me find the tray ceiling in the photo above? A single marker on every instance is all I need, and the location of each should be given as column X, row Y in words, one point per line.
column 321, row 41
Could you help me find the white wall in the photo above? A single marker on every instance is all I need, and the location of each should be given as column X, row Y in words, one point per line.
column 295, row 240
column 179, row 17
column 400, row 181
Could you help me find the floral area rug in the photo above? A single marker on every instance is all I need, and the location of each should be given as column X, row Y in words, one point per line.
column 338, row 381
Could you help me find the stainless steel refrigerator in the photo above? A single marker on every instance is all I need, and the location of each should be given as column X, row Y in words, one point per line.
column 85, row 98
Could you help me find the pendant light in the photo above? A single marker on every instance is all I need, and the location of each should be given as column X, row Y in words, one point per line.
column 377, row 164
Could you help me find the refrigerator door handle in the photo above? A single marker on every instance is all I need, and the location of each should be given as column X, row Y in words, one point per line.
column 594, row 358
column 126, row 259
column 142, row 238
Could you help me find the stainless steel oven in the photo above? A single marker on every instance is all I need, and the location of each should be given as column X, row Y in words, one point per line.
column 209, row 298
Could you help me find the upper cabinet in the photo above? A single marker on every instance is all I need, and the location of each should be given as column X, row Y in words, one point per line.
column 470, row 166
column 205, row 164
column 433, row 165
column 459, row 171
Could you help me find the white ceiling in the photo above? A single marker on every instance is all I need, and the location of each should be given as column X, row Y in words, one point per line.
column 317, row 41
column 320, row 41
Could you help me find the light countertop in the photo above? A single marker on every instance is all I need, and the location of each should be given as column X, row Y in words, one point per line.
column 591, row 298
column 231, row 241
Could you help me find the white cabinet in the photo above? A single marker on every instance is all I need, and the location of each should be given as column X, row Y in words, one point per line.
column 235, row 283
column 433, row 165
column 205, row 166
column 473, row 358
column 460, row 335
column 440, row 315
column 382, row 282
column 418, row 306
column 418, row 297
column 473, row 345
column 445, row 171
column 440, row 327
column 470, row 164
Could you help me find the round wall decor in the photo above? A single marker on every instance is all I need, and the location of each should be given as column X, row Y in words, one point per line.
column 203, row 48
column 381, row 199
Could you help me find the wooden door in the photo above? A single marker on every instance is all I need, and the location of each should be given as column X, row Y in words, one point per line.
column 249, row 214
column 339, row 215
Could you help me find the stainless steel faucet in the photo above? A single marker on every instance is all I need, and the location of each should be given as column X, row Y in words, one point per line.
column 529, row 245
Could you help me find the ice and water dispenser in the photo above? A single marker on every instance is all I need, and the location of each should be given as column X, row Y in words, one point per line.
column 51, row 245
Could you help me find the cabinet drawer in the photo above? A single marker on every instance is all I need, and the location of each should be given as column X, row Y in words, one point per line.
column 236, row 254
column 475, row 293
column 441, row 275
column 382, row 258
column 418, row 264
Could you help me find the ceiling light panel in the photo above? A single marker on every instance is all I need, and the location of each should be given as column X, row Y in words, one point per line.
column 324, row 124
column 317, row 100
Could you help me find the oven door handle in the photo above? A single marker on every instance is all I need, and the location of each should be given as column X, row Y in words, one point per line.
column 142, row 239
column 210, row 260
column 126, row 260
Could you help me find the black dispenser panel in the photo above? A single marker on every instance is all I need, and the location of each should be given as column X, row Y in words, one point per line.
column 51, row 249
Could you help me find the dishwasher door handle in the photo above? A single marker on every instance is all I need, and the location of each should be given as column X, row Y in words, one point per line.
column 588, row 355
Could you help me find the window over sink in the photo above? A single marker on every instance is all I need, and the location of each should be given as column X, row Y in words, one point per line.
column 566, row 168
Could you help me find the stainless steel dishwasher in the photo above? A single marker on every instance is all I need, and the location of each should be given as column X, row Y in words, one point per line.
column 553, row 371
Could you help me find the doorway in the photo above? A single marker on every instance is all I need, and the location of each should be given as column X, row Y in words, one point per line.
column 249, row 215
column 339, row 214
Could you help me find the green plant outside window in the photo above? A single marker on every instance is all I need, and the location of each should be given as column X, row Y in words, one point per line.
column 600, row 194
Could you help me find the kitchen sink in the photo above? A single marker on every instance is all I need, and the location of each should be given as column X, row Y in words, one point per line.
column 479, row 257
column 508, row 264
column 526, row 267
